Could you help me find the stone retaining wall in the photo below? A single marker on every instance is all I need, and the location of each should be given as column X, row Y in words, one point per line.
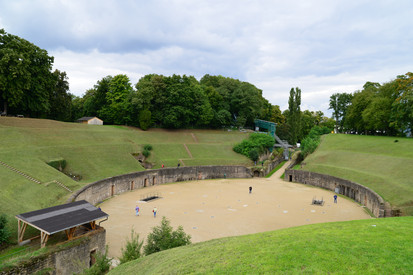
column 355, row 191
column 70, row 259
column 106, row 188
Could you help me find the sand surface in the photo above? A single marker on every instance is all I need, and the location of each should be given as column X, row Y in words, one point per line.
column 210, row 209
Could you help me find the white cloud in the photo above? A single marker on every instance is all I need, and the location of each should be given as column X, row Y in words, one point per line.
column 320, row 46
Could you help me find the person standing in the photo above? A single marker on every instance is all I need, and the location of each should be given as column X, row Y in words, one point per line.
column 250, row 189
column 335, row 198
column 154, row 211
column 137, row 210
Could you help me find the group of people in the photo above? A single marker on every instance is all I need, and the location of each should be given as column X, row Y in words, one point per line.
column 137, row 211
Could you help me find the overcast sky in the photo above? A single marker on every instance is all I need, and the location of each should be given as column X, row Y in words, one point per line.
column 322, row 47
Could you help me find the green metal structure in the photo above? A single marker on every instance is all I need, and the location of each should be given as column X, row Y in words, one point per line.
column 270, row 126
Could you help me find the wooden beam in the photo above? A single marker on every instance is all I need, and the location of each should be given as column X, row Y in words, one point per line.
column 43, row 239
column 21, row 229
column 93, row 225
column 70, row 232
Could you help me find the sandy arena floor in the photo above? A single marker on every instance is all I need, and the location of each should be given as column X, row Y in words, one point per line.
column 212, row 209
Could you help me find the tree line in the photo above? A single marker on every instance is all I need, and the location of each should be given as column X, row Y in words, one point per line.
column 377, row 109
column 30, row 87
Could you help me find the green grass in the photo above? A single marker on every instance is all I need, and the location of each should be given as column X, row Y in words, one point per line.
column 94, row 152
column 275, row 169
column 379, row 163
column 376, row 246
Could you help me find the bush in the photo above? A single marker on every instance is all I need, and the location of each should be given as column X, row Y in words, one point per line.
column 132, row 249
column 310, row 143
column 101, row 265
column 59, row 164
column 147, row 147
column 163, row 237
column 257, row 142
column 4, row 232
column 146, row 153
column 253, row 154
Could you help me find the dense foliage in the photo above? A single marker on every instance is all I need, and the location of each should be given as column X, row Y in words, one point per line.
column 384, row 109
column 176, row 102
column 27, row 84
column 4, row 232
column 255, row 145
column 101, row 266
column 312, row 140
column 164, row 237
column 132, row 250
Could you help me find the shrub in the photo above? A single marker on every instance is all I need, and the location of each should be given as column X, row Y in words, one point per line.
column 101, row 265
column 253, row 154
column 163, row 237
column 146, row 153
column 59, row 164
column 310, row 143
column 4, row 232
column 147, row 147
column 132, row 249
column 256, row 142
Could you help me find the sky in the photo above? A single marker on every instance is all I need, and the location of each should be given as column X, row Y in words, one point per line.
column 322, row 47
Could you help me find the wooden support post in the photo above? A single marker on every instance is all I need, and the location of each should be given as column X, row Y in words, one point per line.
column 93, row 225
column 21, row 229
column 43, row 239
column 70, row 232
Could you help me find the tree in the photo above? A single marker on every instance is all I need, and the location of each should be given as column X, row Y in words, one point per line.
column 339, row 103
column 145, row 119
column 25, row 75
column 294, row 115
column 402, row 107
column 60, row 99
column 164, row 237
column 132, row 250
column 118, row 105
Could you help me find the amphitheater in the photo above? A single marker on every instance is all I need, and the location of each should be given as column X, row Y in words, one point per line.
column 215, row 208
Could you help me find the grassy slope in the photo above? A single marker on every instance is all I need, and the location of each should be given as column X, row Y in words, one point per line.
column 377, row 162
column 95, row 152
column 378, row 246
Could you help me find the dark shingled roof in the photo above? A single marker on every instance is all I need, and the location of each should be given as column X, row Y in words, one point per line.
column 86, row 118
column 58, row 218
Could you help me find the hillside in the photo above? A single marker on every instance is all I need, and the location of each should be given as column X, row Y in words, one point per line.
column 94, row 153
column 383, row 164
column 379, row 246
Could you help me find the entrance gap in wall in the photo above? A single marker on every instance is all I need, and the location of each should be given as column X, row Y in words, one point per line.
column 112, row 190
column 153, row 180
column 132, row 185
column 92, row 260
column 291, row 178
column 145, row 183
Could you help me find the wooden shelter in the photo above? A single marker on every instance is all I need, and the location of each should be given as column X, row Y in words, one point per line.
column 65, row 217
column 90, row 120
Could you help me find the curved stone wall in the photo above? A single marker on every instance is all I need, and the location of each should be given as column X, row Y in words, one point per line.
column 106, row 188
column 355, row 191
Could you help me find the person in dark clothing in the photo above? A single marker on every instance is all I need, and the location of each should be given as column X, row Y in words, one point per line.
column 250, row 189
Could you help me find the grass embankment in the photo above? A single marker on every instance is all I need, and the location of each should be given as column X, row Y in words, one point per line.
column 94, row 152
column 379, row 246
column 379, row 163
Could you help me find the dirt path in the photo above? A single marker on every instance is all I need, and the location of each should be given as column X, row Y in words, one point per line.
column 212, row 209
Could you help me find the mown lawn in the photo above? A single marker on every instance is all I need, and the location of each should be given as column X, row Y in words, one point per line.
column 375, row 246
column 379, row 163
column 94, row 152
